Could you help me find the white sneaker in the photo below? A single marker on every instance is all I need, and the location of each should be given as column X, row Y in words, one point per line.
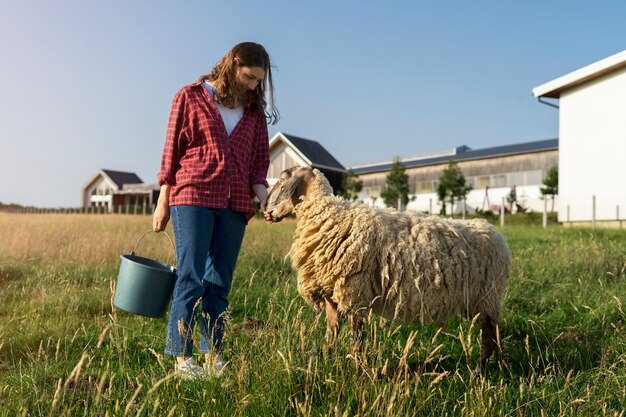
column 190, row 370
column 215, row 365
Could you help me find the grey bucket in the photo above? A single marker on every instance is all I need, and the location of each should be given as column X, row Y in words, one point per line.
column 144, row 286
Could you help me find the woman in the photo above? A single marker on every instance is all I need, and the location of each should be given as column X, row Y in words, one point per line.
column 214, row 162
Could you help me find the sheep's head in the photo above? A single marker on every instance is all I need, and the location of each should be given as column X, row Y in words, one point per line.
column 292, row 184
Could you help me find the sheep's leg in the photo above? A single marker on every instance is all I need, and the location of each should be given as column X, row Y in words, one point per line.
column 356, row 322
column 332, row 321
column 489, row 334
column 356, row 327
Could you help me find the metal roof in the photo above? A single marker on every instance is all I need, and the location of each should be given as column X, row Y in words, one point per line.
column 120, row 178
column 316, row 154
column 466, row 154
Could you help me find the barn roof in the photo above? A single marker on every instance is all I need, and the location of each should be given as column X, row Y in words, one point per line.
column 120, row 177
column 311, row 151
column 461, row 153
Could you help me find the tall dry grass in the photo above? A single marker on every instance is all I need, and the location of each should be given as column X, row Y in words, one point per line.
column 78, row 239
column 64, row 350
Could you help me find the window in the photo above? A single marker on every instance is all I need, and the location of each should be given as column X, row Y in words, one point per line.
column 424, row 187
column 517, row 178
column 499, row 180
column 534, row 178
column 372, row 192
column 482, row 182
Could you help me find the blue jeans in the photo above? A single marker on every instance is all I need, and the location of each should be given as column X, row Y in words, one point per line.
column 207, row 245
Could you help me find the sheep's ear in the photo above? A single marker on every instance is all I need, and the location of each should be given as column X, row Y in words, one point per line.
column 292, row 187
column 285, row 175
column 285, row 189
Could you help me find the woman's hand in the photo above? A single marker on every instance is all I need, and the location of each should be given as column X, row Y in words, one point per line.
column 160, row 217
column 162, row 212
column 261, row 194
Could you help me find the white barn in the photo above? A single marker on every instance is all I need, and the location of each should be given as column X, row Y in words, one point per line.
column 115, row 189
column 288, row 150
column 491, row 172
column 592, row 141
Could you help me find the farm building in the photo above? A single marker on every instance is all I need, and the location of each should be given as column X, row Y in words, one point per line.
column 113, row 189
column 592, row 140
column 492, row 173
column 288, row 150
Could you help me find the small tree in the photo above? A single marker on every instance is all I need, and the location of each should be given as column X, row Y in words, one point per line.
column 452, row 186
column 351, row 186
column 513, row 202
column 550, row 187
column 397, row 186
column 512, row 199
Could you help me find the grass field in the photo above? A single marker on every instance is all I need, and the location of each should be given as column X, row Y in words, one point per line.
column 64, row 351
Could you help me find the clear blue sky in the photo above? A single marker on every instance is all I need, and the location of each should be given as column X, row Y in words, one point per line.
column 86, row 85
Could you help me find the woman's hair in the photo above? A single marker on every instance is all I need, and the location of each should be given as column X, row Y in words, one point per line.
column 231, row 94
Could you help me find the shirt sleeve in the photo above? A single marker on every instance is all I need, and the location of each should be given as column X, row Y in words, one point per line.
column 174, row 145
column 261, row 160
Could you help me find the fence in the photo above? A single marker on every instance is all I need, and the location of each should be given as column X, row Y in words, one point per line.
column 126, row 209
column 589, row 211
column 593, row 210
column 596, row 212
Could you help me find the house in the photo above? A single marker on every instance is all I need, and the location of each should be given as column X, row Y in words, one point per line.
column 115, row 189
column 492, row 173
column 288, row 150
column 592, row 140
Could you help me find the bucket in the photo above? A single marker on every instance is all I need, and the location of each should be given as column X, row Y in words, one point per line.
column 144, row 286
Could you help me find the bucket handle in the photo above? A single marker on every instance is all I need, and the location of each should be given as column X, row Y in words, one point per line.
column 152, row 231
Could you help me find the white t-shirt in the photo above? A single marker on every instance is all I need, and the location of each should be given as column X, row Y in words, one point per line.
column 230, row 116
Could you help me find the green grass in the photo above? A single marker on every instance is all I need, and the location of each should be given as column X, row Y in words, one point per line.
column 65, row 352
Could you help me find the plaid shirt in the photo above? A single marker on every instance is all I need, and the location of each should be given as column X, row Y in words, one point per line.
column 203, row 164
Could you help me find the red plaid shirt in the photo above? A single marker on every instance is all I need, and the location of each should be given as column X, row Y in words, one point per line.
column 202, row 163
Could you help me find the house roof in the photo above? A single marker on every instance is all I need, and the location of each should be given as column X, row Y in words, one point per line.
column 554, row 88
column 120, row 178
column 461, row 153
column 311, row 151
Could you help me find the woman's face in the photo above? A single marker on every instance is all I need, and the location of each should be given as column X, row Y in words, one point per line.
column 249, row 76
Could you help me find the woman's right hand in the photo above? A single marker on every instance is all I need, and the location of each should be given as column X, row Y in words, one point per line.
column 162, row 212
column 160, row 217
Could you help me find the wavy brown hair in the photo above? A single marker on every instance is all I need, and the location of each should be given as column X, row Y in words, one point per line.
column 231, row 94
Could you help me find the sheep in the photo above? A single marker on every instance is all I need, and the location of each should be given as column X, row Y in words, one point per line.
column 405, row 266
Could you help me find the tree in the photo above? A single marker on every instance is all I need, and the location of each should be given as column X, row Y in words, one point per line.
column 513, row 203
column 550, row 186
column 397, row 186
column 512, row 198
column 452, row 186
column 351, row 186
